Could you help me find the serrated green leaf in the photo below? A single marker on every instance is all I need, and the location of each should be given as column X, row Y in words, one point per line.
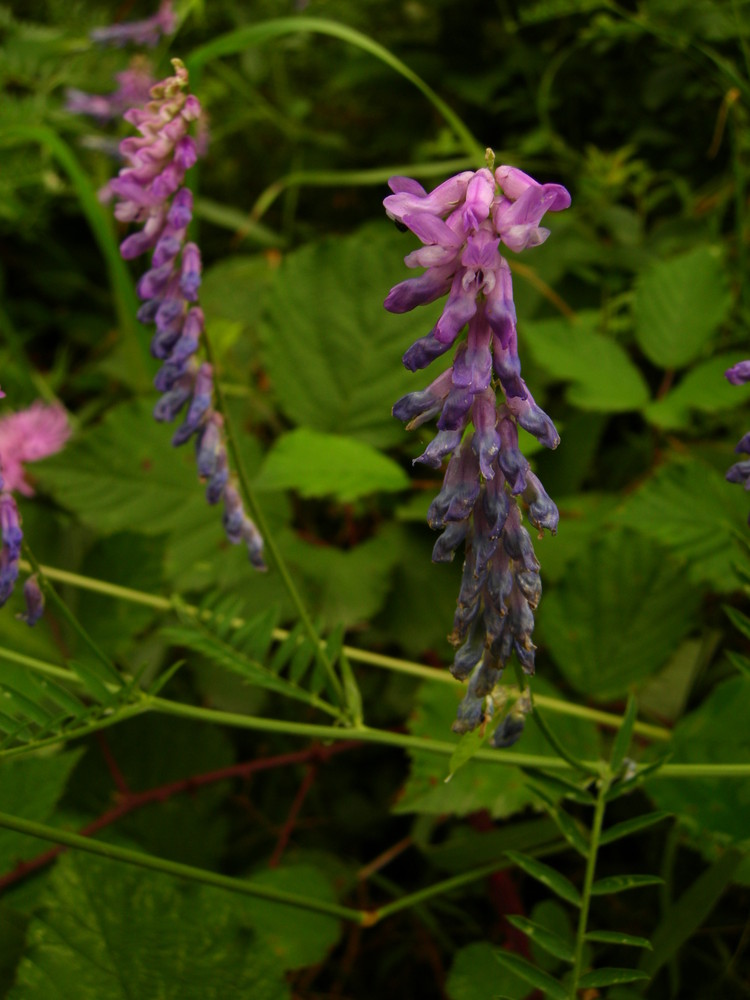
column 611, row 977
column 623, row 736
column 47, row 777
column 623, row 883
column 617, row 937
column 601, row 374
column 630, row 826
column 703, row 389
column 321, row 342
column 617, row 614
column 679, row 304
column 687, row 507
column 543, row 873
column 104, row 934
column 474, row 786
column 715, row 732
column 544, row 937
column 541, row 980
column 320, row 465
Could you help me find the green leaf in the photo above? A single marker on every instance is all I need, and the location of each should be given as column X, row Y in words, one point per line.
column 611, row 977
column 703, row 389
column 715, row 732
column 320, row 465
column 47, row 778
column 474, row 786
column 601, row 374
column 110, row 930
column 623, row 736
column 474, row 972
column 295, row 937
column 617, row 614
column 622, row 883
column 689, row 508
column 541, row 980
column 331, row 350
column 545, row 938
column 630, row 826
column 679, row 304
column 617, row 937
column 543, row 873
column 468, row 745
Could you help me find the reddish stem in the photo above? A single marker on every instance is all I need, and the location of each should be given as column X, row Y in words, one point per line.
column 130, row 801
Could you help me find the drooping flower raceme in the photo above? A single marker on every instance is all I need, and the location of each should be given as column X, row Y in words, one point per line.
column 151, row 192
column 739, row 374
column 25, row 436
column 480, row 401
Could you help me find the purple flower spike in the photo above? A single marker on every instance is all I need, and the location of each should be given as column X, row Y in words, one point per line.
column 461, row 225
column 146, row 32
column 150, row 191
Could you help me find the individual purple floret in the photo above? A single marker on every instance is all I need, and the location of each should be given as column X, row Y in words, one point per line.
column 150, row 192
column 480, row 402
column 146, row 32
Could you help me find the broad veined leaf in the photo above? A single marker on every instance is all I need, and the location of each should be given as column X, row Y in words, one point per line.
column 295, row 937
column 320, row 465
column 47, row 777
column 601, row 375
column 114, row 931
column 716, row 732
column 475, row 786
column 616, row 615
column 331, row 350
column 679, row 304
column 703, row 389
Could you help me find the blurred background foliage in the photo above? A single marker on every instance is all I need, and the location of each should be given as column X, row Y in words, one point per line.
column 628, row 316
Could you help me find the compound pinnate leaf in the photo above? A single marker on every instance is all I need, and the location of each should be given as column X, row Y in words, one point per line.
column 541, row 980
column 548, row 876
column 622, row 883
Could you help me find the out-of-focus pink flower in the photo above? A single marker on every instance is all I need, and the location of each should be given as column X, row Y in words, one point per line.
column 27, row 436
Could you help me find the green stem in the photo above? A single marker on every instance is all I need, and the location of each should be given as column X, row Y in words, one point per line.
column 363, row 656
column 116, row 853
column 349, row 178
column 596, row 832
column 63, row 609
column 269, row 541
column 257, row 34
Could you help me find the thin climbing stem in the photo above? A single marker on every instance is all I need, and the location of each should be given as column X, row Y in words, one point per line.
column 356, row 655
column 268, row 539
column 595, row 837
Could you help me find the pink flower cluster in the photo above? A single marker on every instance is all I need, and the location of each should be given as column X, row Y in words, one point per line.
column 26, row 436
